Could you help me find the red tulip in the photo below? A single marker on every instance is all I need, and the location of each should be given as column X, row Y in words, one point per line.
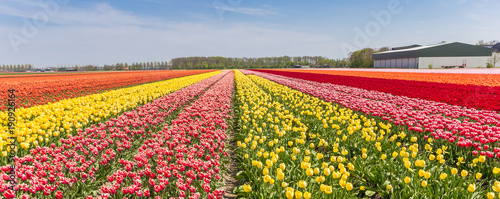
column 59, row 194
column 9, row 194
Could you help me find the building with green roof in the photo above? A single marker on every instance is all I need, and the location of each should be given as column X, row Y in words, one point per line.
column 444, row 55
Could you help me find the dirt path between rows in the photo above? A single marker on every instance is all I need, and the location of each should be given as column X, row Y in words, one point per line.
column 228, row 180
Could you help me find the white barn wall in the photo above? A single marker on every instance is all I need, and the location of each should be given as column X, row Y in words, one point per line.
column 413, row 63
column 437, row 62
column 396, row 63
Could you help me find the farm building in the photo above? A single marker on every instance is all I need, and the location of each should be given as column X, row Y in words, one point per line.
column 301, row 66
column 445, row 55
column 494, row 47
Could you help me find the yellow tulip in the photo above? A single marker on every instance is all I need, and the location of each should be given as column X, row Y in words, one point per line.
column 348, row 186
column 407, row 164
column 478, row 175
column 307, row 195
column 427, row 175
column 463, row 173
column 350, row 166
column 280, row 175
column 298, row 194
column 309, row 172
column 282, row 166
column 471, row 188
column 289, row 194
column 496, row 170
column 302, row 184
column 247, row 188
column 326, row 171
column 328, row 189
column 443, row 176
column 421, row 173
column 496, row 186
column 424, row 183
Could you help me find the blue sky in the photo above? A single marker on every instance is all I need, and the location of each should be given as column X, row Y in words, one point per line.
column 56, row 32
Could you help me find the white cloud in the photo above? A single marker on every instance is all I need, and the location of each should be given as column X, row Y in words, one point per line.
column 29, row 3
column 99, row 14
column 12, row 11
column 152, row 1
column 103, row 34
column 245, row 10
column 480, row 13
column 105, row 45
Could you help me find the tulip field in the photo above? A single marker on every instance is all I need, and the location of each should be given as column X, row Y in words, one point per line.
column 291, row 134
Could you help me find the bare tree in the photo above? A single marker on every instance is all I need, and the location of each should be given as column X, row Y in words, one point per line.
column 383, row 49
column 484, row 43
column 495, row 58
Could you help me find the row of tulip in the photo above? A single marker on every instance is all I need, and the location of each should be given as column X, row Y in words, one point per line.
column 82, row 164
column 35, row 90
column 491, row 80
column 295, row 145
column 39, row 124
column 184, row 160
column 473, row 96
column 479, row 130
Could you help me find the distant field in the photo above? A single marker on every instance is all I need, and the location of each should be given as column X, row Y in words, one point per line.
column 398, row 70
column 23, row 73
column 42, row 88
column 55, row 73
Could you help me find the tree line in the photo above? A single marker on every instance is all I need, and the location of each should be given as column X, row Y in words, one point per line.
column 204, row 63
column 357, row 59
column 261, row 62
column 16, row 68
column 156, row 65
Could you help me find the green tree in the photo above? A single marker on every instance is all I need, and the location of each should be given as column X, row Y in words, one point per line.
column 362, row 58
